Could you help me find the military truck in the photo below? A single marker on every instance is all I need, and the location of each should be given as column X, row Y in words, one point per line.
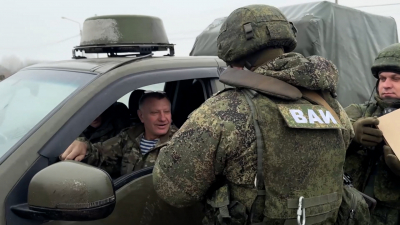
column 350, row 38
column 44, row 107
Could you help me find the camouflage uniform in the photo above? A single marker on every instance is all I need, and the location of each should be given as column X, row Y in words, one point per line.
column 213, row 157
column 360, row 161
column 218, row 140
column 366, row 165
column 121, row 154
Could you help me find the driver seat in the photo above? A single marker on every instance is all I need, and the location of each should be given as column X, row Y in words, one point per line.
column 134, row 105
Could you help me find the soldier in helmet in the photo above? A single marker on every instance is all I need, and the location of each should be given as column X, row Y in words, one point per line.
column 371, row 163
column 271, row 146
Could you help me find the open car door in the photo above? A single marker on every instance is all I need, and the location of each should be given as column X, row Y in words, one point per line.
column 138, row 203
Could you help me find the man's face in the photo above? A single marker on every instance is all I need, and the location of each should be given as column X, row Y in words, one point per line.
column 389, row 85
column 155, row 114
column 97, row 122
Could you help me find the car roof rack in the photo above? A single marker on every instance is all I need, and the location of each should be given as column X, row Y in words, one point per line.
column 117, row 35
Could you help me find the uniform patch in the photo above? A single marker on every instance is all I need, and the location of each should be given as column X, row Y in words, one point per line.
column 308, row 116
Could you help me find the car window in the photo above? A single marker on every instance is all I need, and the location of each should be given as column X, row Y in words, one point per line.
column 28, row 96
column 154, row 87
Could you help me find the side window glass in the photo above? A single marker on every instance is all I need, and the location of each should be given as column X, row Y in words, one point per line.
column 118, row 116
column 189, row 95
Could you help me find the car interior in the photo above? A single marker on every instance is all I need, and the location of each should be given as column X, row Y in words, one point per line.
column 185, row 97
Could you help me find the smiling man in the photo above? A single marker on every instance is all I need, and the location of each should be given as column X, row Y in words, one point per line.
column 135, row 147
column 371, row 163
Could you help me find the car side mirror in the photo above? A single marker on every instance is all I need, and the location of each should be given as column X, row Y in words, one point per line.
column 69, row 191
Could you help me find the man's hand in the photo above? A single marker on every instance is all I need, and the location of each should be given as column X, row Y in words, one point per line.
column 366, row 133
column 76, row 151
column 391, row 160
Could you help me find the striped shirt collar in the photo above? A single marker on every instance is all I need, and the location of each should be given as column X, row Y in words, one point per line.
column 147, row 145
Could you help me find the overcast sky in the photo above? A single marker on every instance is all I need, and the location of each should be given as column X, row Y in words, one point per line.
column 33, row 29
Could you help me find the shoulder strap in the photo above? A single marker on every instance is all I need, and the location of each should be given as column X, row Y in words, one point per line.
column 259, row 181
column 264, row 84
column 316, row 98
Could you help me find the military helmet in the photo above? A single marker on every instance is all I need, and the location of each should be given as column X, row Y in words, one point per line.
column 252, row 28
column 387, row 60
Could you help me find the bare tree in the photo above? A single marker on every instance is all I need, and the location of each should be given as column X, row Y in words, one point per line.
column 12, row 64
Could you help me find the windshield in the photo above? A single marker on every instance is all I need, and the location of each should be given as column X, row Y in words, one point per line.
column 28, row 96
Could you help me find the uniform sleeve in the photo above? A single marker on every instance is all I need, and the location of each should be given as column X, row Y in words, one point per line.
column 348, row 131
column 108, row 154
column 189, row 164
column 355, row 112
column 82, row 138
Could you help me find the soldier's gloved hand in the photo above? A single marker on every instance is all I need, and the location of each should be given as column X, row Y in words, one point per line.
column 391, row 160
column 365, row 134
column 76, row 151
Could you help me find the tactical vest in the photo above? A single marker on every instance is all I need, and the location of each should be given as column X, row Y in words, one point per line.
column 300, row 150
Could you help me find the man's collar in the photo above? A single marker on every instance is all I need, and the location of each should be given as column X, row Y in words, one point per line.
column 387, row 103
column 139, row 133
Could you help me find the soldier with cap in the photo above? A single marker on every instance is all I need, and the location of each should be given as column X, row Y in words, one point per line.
column 271, row 146
column 370, row 162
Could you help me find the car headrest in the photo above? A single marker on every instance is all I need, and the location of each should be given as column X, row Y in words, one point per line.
column 134, row 102
column 117, row 109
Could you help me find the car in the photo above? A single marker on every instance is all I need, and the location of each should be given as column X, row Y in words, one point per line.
column 44, row 107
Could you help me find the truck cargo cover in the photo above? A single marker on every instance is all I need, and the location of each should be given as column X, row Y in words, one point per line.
column 350, row 38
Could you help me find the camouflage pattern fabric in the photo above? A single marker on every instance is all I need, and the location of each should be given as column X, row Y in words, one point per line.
column 353, row 209
column 292, row 67
column 359, row 162
column 218, row 142
column 252, row 28
column 102, row 134
column 102, row 138
column 121, row 154
column 387, row 60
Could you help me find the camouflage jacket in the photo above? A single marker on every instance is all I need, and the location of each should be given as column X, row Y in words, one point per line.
column 121, row 154
column 218, row 144
column 102, row 133
column 360, row 160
